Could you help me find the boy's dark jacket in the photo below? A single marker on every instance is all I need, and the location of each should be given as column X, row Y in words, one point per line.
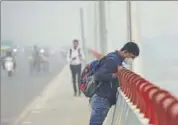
column 103, row 74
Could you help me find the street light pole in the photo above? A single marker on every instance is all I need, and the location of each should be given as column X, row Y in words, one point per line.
column 129, row 27
column 102, row 25
column 135, row 35
column 82, row 30
column 95, row 25
column 129, row 21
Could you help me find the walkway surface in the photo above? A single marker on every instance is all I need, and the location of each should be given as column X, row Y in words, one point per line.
column 56, row 105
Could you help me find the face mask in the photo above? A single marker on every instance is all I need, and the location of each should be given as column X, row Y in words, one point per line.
column 128, row 61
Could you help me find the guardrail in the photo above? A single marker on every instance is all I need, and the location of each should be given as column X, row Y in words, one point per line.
column 154, row 103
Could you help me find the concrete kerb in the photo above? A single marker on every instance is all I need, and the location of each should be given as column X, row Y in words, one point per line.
column 40, row 100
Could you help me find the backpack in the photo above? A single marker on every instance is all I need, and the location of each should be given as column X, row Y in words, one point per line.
column 78, row 52
column 88, row 85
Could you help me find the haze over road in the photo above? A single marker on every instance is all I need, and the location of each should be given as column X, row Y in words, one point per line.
column 17, row 92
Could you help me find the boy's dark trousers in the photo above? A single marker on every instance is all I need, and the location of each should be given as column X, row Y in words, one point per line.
column 76, row 72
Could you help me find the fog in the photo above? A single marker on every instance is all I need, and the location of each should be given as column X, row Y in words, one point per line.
column 40, row 22
column 58, row 23
column 158, row 28
column 159, row 36
column 55, row 24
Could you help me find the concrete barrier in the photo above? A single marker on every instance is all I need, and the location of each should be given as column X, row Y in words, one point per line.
column 125, row 113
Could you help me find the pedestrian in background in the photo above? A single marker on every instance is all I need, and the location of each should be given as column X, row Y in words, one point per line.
column 75, row 58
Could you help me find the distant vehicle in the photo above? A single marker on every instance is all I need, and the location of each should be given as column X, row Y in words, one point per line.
column 9, row 66
column 39, row 62
column 44, row 60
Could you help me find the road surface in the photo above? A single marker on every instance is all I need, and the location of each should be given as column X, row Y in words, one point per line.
column 17, row 92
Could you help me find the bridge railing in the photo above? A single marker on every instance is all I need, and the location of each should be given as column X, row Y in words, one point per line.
column 154, row 103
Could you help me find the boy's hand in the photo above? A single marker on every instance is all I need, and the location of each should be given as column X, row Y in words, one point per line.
column 119, row 68
column 114, row 75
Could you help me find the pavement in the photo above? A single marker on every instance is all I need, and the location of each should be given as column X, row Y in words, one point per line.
column 56, row 105
column 20, row 90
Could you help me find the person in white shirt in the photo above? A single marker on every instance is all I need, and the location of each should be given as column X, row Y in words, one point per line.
column 75, row 58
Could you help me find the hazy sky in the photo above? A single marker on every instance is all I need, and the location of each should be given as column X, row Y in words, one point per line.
column 58, row 21
column 156, row 19
column 40, row 22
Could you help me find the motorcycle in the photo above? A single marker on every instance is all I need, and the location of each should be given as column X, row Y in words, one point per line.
column 9, row 66
column 44, row 63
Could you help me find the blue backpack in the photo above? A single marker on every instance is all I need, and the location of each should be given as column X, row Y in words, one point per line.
column 88, row 85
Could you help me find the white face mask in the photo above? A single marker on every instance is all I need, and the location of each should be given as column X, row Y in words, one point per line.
column 128, row 61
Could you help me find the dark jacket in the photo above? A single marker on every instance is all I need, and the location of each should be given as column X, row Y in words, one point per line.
column 109, row 86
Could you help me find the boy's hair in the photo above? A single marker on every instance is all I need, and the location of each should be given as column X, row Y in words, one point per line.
column 75, row 40
column 131, row 47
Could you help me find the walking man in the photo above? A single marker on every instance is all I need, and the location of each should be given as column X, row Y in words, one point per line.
column 75, row 57
column 106, row 94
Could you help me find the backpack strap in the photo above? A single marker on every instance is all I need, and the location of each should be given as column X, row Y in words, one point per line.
column 110, row 55
column 70, row 52
column 113, row 56
column 79, row 52
column 100, row 61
